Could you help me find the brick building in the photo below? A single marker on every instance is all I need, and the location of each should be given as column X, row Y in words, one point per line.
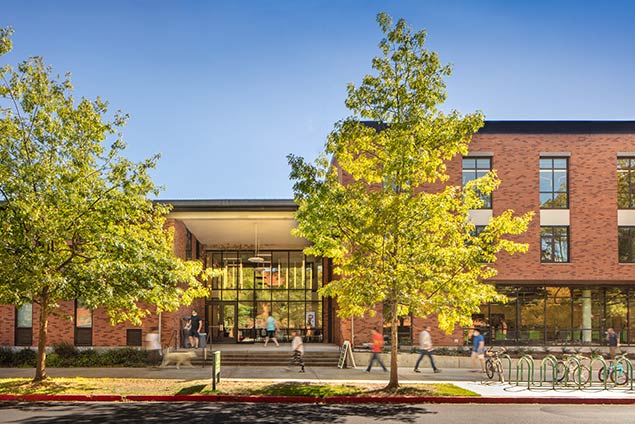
column 576, row 280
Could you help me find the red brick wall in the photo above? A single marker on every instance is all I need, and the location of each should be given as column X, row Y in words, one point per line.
column 61, row 327
column 592, row 203
column 7, row 325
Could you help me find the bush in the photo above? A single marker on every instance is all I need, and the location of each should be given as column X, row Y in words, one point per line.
column 24, row 358
column 125, row 357
column 65, row 350
column 6, row 357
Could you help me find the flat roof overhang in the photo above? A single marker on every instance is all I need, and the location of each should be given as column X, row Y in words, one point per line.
column 233, row 224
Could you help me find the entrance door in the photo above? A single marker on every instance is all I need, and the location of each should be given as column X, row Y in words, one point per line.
column 223, row 325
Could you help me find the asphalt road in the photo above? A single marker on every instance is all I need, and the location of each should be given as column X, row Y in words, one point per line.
column 121, row 413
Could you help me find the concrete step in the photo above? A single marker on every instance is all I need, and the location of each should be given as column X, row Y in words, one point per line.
column 269, row 358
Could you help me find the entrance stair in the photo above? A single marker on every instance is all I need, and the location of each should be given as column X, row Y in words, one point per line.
column 314, row 356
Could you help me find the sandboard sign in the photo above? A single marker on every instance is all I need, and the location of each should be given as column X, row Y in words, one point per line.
column 346, row 356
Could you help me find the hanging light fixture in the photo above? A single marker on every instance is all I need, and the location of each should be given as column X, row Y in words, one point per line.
column 257, row 259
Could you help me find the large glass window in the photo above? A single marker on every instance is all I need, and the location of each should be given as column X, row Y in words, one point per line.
column 626, row 183
column 554, row 244
column 626, row 244
column 554, row 183
column 474, row 168
column 285, row 284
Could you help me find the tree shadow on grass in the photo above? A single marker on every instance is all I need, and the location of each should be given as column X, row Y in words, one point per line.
column 48, row 387
column 122, row 413
column 190, row 390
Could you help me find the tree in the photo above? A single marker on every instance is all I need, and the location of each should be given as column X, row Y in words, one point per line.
column 75, row 218
column 396, row 234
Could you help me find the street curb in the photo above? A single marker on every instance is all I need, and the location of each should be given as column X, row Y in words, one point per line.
column 310, row 399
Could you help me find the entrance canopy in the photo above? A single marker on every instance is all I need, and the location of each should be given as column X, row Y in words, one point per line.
column 236, row 224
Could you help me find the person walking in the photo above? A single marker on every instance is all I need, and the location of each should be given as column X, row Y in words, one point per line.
column 478, row 349
column 425, row 347
column 153, row 345
column 196, row 325
column 297, row 346
column 614, row 342
column 271, row 330
column 376, row 348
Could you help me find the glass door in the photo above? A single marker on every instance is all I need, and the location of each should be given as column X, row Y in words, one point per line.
column 223, row 323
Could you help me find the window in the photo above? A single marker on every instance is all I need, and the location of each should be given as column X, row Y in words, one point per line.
column 83, row 324
column 626, row 183
column 133, row 337
column 188, row 245
column 554, row 183
column 24, row 325
column 626, row 244
column 554, row 244
column 474, row 168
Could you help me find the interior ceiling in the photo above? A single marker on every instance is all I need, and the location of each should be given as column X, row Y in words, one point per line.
column 223, row 233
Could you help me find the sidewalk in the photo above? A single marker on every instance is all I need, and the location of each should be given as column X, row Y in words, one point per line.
column 474, row 381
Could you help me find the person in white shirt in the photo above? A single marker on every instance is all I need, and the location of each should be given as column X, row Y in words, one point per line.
column 425, row 345
column 297, row 346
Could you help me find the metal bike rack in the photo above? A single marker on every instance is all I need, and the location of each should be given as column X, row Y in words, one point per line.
column 628, row 367
column 530, row 370
column 509, row 362
column 549, row 360
column 605, row 373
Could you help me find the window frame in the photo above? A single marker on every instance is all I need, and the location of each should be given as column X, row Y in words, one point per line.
column 476, row 169
column 553, row 191
column 631, row 182
column 568, row 234
column 632, row 245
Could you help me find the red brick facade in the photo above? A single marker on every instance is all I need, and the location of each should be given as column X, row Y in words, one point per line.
column 593, row 253
column 61, row 327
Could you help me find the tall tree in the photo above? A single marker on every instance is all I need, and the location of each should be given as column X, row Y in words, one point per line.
column 75, row 218
column 376, row 201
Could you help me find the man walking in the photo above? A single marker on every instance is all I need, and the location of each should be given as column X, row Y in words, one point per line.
column 297, row 346
column 478, row 348
column 425, row 346
column 196, row 325
column 614, row 342
column 377, row 347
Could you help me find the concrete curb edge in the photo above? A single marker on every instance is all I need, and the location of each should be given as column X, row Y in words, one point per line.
column 309, row 399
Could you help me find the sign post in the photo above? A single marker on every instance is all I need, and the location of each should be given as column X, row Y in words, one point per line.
column 215, row 368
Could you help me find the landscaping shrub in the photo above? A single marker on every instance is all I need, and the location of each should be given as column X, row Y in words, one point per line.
column 6, row 357
column 24, row 358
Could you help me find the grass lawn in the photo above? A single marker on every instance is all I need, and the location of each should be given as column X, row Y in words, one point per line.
column 125, row 386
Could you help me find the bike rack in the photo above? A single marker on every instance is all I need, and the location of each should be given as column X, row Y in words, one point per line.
column 600, row 358
column 548, row 360
column 578, row 364
column 509, row 362
column 629, row 367
column 530, row 370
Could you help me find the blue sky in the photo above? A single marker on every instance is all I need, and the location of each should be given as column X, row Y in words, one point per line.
column 225, row 90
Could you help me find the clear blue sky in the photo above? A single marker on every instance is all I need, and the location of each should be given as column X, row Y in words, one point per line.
column 225, row 90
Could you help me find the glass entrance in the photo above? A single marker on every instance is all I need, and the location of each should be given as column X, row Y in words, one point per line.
column 283, row 284
column 223, row 323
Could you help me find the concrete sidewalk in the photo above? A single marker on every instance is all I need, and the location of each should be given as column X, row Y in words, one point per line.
column 474, row 381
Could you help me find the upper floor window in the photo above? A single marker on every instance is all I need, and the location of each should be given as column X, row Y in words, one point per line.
column 626, row 183
column 188, row 245
column 554, row 183
column 554, row 244
column 473, row 168
column 626, row 244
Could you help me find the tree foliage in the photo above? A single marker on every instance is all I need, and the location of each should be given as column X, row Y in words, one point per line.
column 377, row 202
column 75, row 218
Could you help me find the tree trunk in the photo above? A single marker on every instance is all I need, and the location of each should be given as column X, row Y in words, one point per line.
column 40, row 366
column 394, row 348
